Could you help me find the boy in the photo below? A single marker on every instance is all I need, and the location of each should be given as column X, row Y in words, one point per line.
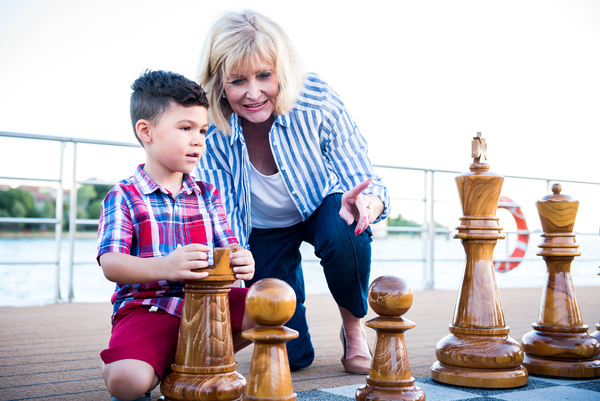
column 155, row 228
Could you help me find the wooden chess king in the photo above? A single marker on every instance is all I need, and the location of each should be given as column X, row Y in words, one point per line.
column 559, row 344
column 204, row 367
column 478, row 351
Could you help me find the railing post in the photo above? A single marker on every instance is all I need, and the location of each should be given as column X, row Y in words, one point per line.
column 424, row 228
column 72, row 222
column 59, row 220
column 430, row 235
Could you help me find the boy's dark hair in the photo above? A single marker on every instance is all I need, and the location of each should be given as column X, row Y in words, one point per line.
column 155, row 91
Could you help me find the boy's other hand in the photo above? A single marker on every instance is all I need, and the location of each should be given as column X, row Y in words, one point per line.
column 243, row 263
column 180, row 263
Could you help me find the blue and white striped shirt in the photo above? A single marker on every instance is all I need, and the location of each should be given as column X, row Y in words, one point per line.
column 318, row 150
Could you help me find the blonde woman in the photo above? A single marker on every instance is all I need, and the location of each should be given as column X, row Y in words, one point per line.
column 291, row 166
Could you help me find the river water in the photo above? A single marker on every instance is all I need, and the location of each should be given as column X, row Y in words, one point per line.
column 27, row 285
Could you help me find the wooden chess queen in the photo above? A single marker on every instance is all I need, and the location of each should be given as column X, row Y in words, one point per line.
column 204, row 367
column 559, row 344
column 478, row 351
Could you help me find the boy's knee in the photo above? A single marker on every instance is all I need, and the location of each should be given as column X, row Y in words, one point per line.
column 129, row 378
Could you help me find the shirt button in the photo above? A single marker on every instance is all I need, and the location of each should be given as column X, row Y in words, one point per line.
column 293, row 192
column 178, row 246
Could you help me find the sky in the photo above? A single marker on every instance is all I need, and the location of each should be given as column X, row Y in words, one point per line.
column 420, row 78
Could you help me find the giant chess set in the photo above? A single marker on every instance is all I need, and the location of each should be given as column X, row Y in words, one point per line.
column 477, row 358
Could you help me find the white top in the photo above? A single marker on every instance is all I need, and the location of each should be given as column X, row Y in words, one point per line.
column 272, row 206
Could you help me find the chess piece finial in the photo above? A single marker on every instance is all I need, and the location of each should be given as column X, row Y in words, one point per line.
column 559, row 344
column 204, row 367
column 479, row 153
column 270, row 303
column 390, row 379
column 478, row 351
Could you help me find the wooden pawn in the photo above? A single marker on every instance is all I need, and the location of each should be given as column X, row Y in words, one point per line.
column 270, row 303
column 390, row 379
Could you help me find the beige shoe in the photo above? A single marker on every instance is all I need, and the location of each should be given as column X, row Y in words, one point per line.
column 360, row 365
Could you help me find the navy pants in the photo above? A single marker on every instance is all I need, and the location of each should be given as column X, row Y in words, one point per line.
column 345, row 257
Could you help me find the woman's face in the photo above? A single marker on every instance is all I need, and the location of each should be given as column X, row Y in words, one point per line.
column 252, row 92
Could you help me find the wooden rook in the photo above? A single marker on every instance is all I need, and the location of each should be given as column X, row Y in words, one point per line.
column 390, row 379
column 204, row 367
column 270, row 303
column 559, row 344
column 478, row 351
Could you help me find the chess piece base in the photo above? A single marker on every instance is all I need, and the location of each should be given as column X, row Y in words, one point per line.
column 194, row 387
column 378, row 390
column 484, row 378
column 561, row 368
column 572, row 344
column 283, row 398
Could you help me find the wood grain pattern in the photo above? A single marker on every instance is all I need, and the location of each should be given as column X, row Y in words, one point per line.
column 559, row 344
column 390, row 378
column 270, row 303
column 204, row 367
column 478, row 351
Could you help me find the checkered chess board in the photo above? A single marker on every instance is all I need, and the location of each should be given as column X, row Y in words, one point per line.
column 538, row 389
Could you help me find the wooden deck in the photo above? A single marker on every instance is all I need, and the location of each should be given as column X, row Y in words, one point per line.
column 51, row 352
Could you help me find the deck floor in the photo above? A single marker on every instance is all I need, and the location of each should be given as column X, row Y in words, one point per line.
column 51, row 352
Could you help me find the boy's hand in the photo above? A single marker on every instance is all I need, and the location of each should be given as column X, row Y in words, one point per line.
column 242, row 262
column 180, row 263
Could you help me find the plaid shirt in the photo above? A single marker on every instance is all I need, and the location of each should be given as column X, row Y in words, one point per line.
column 142, row 219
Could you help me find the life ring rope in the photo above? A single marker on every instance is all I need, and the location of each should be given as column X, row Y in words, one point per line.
column 522, row 236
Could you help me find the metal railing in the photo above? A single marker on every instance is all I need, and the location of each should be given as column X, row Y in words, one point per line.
column 427, row 230
column 57, row 220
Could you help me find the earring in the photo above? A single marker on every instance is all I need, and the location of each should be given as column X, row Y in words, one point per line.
column 224, row 95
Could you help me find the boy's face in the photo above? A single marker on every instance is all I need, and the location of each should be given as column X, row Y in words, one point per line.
column 178, row 139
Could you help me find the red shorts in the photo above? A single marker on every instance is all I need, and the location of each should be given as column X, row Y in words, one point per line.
column 152, row 336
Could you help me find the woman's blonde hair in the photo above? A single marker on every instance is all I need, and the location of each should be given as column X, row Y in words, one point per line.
column 237, row 41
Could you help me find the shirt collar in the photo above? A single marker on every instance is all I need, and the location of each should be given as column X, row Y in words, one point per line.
column 148, row 186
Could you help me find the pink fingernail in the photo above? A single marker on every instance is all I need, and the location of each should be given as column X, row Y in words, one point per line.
column 357, row 232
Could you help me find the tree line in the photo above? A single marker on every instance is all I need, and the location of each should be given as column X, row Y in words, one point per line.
column 18, row 202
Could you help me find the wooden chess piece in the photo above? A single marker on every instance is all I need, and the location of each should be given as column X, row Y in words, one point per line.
column 596, row 333
column 390, row 379
column 270, row 303
column 204, row 367
column 478, row 351
column 559, row 344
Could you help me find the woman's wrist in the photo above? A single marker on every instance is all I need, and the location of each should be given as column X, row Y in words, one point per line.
column 376, row 206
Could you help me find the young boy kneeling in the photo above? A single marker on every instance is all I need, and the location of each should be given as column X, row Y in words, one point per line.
column 155, row 228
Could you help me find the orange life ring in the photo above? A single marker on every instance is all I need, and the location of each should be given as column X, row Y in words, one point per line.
column 522, row 238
